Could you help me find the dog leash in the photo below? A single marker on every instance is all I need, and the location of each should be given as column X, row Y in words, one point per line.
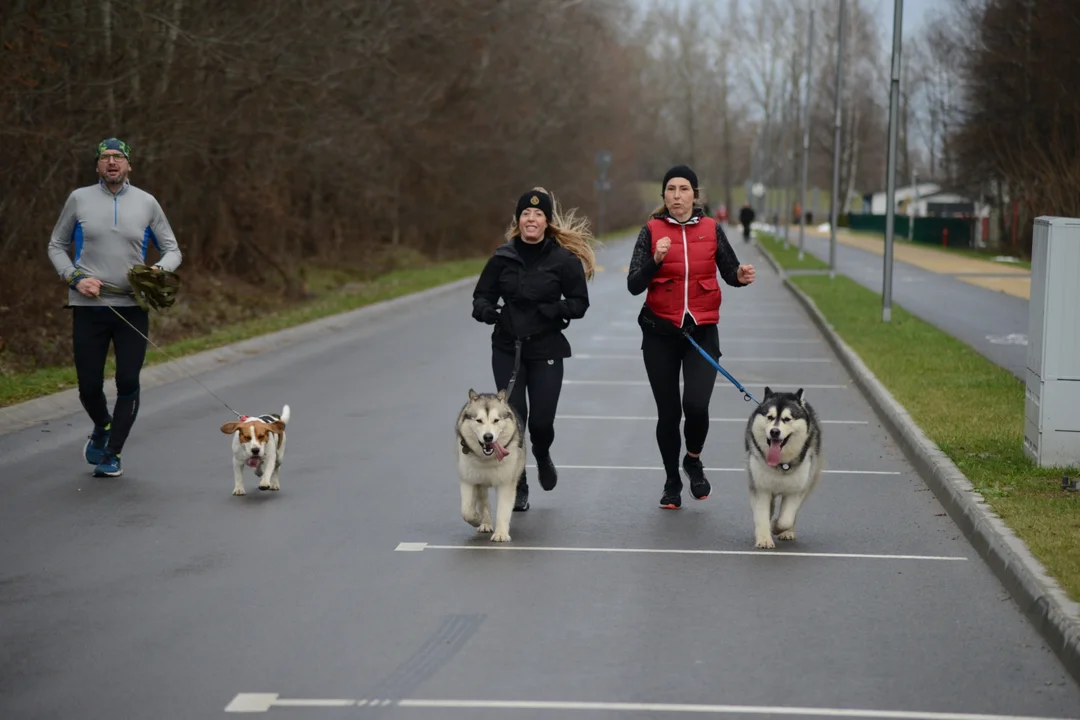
column 746, row 393
column 111, row 291
column 517, row 365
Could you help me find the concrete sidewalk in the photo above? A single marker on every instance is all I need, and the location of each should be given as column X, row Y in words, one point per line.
column 950, row 291
column 1000, row 277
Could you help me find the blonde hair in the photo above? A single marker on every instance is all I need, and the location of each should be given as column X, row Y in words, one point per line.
column 570, row 231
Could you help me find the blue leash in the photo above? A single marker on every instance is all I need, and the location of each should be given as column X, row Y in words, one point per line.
column 746, row 393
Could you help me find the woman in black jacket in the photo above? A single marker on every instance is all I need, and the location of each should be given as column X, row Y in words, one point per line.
column 540, row 273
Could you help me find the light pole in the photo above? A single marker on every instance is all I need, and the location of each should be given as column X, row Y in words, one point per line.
column 835, row 215
column 806, row 135
column 890, row 173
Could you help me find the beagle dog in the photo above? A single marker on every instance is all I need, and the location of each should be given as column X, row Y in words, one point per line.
column 258, row 441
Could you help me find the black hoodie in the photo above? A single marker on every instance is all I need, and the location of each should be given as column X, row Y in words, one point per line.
column 542, row 287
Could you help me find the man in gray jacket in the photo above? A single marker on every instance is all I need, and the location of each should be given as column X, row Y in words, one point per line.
column 111, row 225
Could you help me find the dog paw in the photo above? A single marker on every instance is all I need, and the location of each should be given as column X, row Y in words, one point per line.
column 275, row 487
column 484, row 527
column 473, row 520
column 264, row 486
column 500, row 537
column 239, row 491
column 766, row 542
column 786, row 535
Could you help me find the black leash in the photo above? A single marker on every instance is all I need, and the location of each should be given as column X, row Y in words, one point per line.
column 517, row 365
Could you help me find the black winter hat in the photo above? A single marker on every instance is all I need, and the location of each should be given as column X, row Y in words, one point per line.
column 536, row 199
column 680, row 171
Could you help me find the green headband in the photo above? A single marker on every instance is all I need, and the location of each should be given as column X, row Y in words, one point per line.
column 113, row 144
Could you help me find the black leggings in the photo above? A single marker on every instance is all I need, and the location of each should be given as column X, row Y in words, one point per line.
column 93, row 329
column 543, row 380
column 664, row 356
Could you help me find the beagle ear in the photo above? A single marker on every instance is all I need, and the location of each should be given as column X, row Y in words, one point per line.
column 277, row 426
column 230, row 427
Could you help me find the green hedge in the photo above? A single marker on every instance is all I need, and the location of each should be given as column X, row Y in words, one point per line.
column 927, row 230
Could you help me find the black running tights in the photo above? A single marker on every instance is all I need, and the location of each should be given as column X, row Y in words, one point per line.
column 664, row 357
column 542, row 379
column 93, row 329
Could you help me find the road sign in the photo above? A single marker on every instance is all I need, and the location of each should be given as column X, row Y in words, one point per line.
column 758, row 190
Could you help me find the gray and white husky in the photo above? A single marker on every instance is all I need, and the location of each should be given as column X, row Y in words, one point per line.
column 491, row 454
column 784, row 460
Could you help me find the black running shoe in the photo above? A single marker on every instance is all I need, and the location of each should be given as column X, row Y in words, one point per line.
column 545, row 468
column 672, row 497
column 521, row 502
column 699, row 486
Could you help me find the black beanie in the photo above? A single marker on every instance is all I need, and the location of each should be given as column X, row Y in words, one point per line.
column 680, row 171
column 536, row 199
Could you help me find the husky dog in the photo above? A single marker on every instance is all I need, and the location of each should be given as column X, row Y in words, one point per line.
column 491, row 440
column 783, row 455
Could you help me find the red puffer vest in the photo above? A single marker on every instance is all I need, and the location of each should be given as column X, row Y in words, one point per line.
column 674, row 291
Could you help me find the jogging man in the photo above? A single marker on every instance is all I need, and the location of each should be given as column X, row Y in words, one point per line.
column 111, row 224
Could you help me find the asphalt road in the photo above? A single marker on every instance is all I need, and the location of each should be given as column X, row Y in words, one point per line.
column 358, row 591
column 993, row 323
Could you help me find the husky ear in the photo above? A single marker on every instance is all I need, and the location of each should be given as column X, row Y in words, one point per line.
column 768, row 392
column 501, row 395
column 472, row 394
column 799, row 396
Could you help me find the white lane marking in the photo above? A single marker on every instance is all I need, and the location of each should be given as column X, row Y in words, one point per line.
column 725, row 358
column 312, row 702
column 251, row 703
column 1010, row 339
column 715, row 419
column 571, row 705
column 676, row 551
column 703, row 709
column 712, row 469
column 720, row 380
column 723, row 341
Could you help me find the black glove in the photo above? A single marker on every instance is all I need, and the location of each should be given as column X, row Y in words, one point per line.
column 490, row 315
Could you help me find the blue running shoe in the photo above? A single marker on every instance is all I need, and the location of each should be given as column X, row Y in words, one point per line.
column 94, row 451
column 109, row 467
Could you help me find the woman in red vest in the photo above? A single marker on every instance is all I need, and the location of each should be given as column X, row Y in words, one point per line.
column 676, row 258
column 540, row 273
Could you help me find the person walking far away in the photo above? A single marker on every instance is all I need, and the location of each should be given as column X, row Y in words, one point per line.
column 541, row 274
column 111, row 225
column 746, row 218
column 675, row 258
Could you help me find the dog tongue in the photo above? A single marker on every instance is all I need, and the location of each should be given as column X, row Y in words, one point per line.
column 253, row 462
column 774, row 453
column 500, row 451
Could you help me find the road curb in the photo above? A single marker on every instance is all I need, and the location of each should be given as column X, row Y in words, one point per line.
column 1038, row 595
column 57, row 405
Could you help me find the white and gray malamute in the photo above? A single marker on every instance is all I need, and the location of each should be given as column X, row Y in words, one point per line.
column 491, row 454
column 783, row 455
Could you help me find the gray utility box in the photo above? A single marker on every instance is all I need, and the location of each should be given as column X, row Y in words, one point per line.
column 1052, row 399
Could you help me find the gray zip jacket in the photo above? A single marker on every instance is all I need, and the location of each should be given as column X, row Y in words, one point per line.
column 111, row 234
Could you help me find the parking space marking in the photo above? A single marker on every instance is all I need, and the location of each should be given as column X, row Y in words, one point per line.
column 711, row 469
column 653, row 418
column 723, row 340
column 263, row 702
column 719, row 380
column 420, row 547
column 725, row 358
